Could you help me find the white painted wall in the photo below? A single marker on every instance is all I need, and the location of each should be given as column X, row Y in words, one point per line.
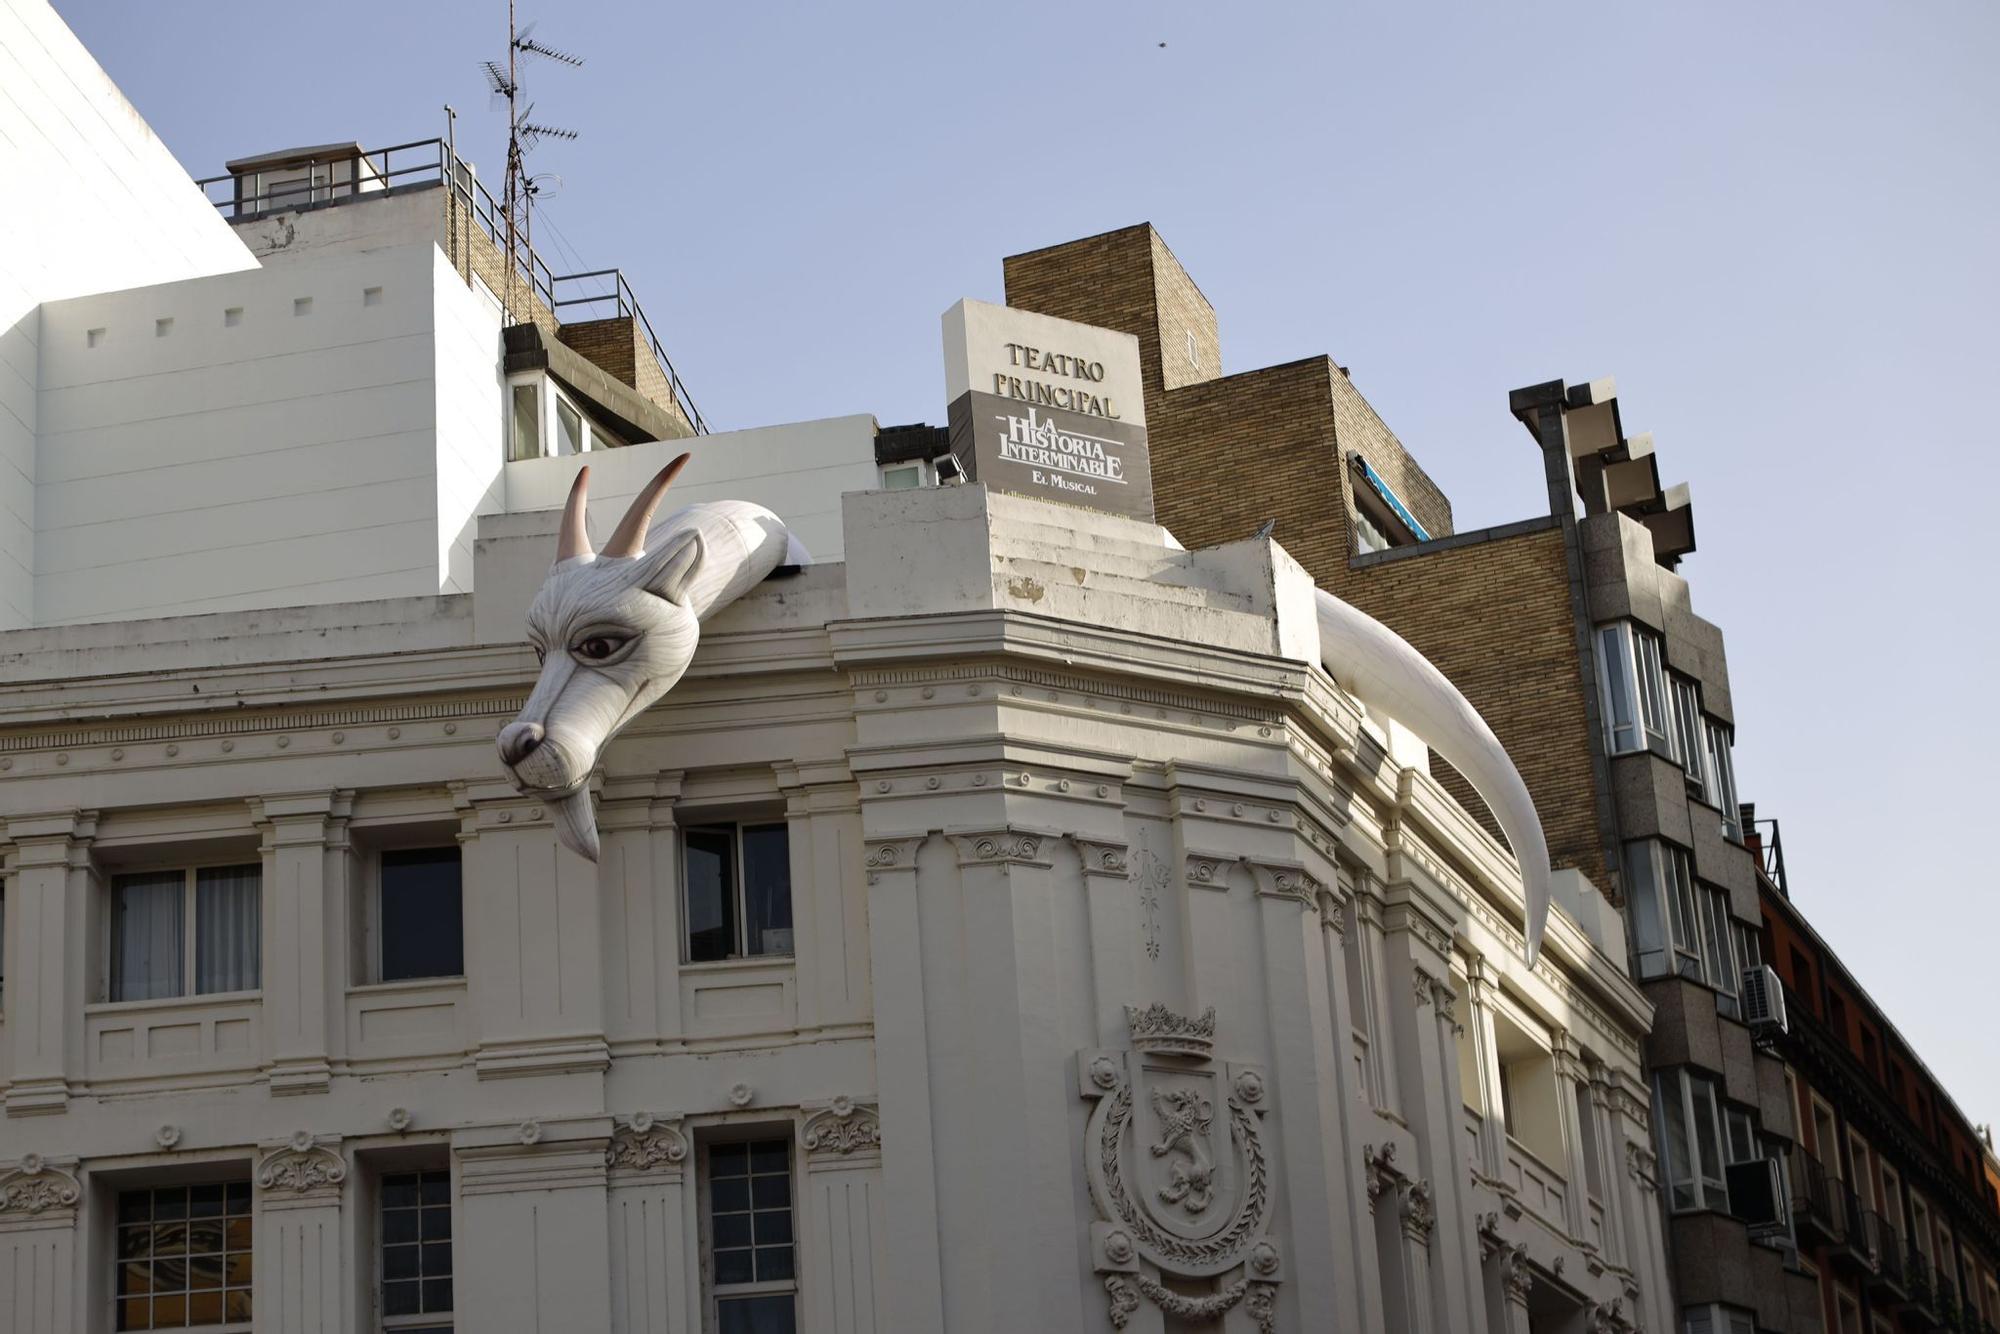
column 798, row 470
column 94, row 202
column 191, row 464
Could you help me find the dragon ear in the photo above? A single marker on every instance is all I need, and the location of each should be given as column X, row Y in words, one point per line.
column 666, row 573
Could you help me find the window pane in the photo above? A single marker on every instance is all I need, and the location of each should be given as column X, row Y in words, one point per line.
column 1708, row 1144
column 569, row 428
column 148, row 916
column 525, row 442
column 756, row 1315
column 767, row 888
column 903, row 478
column 198, row 1288
column 228, row 920
column 422, row 931
column 1614, row 666
column 711, row 892
column 1652, row 687
column 1643, row 909
column 1672, row 1115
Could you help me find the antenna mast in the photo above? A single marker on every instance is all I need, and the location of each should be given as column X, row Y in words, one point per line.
column 522, row 134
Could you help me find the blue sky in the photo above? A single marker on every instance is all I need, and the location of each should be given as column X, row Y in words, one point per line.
column 1774, row 223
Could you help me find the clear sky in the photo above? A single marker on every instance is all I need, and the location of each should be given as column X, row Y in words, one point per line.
column 1775, row 223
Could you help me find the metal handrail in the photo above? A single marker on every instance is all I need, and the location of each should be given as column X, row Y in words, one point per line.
column 439, row 165
column 1771, row 850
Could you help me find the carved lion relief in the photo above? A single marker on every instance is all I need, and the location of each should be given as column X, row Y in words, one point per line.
column 1180, row 1177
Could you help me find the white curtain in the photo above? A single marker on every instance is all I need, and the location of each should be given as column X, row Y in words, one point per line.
column 228, row 919
column 147, row 917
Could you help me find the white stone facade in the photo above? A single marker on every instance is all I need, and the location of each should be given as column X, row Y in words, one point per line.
column 1035, row 769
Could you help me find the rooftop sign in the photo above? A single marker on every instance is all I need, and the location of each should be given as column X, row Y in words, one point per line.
column 1047, row 408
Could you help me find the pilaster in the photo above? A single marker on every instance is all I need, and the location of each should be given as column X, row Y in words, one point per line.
column 841, row 1213
column 299, row 1285
column 534, row 945
column 651, row 1216
column 49, row 896
column 40, row 1201
column 903, row 1081
column 305, row 912
column 1481, row 986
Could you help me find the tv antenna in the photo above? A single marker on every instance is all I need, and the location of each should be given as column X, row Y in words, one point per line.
column 523, row 133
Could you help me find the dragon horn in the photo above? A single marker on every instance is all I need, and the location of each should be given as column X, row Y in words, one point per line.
column 630, row 538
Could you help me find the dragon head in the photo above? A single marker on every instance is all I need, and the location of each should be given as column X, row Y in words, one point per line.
column 613, row 634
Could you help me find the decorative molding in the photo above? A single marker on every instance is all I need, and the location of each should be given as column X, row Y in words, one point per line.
column 1207, row 870
column 891, row 854
column 1287, row 880
column 1643, row 1164
column 303, row 1164
column 270, row 719
column 644, row 1143
column 1151, row 876
column 1084, row 689
column 1161, row 1031
column 1419, row 1212
column 1002, row 847
column 1491, row 1243
column 34, row 1186
column 1101, row 856
column 842, row 1127
column 1379, row 1166
column 1516, row 1278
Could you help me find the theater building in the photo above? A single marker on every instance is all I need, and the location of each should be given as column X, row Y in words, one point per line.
column 1007, row 924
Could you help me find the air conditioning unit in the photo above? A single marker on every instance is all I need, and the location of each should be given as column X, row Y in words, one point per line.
column 1763, row 1000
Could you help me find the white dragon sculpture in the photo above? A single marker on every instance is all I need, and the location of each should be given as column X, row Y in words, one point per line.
column 616, row 629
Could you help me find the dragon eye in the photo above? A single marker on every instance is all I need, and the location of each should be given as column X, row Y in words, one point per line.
column 599, row 648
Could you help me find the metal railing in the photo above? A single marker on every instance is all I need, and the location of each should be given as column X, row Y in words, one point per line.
column 425, row 164
column 1818, row 1196
column 1771, row 853
column 1891, row 1253
column 576, row 289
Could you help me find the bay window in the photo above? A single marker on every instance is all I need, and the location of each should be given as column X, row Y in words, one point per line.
column 1632, row 689
column 1701, row 1137
column 1659, row 892
column 192, row 923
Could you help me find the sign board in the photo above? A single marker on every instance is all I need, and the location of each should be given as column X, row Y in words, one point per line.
column 1047, row 408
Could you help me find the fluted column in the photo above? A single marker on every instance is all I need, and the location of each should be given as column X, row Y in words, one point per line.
column 841, row 1215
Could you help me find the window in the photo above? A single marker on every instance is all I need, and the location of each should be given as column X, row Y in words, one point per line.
column 571, row 438
column 416, row 1251
column 1850, row 1312
column 1660, row 903
column 739, row 891
column 422, row 930
column 524, row 436
column 183, row 1257
column 1719, row 1319
column 1367, row 537
column 1718, row 950
column 749, row 1257
column 1632, row 684
column 1722, row 781
column 203, row 923
column 1693, row 1151
column 903, row 477
column 1688, row 736
column 1892, row 1206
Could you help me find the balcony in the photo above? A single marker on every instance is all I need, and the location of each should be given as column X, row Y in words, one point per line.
column 1859, row 1243
column 1820, row 1206
column 1920, row 1282
column 1891, row 1276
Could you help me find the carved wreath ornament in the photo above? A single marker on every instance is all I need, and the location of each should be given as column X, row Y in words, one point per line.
column 1179, row 1176
column 34, row 1186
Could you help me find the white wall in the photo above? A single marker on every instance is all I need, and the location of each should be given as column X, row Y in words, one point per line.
column 94, row 202
column 470, row 388
column 290, row 458
column 799, row 470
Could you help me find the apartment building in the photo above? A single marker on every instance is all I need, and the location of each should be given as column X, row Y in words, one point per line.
column 1575, row 636
column 1007, row 923
column 1894, row 1199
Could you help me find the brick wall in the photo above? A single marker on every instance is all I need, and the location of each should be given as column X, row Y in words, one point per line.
column 1495, row 617
column 1232, row 452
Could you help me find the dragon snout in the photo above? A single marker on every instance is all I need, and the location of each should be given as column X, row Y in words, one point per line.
column 517, row 741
